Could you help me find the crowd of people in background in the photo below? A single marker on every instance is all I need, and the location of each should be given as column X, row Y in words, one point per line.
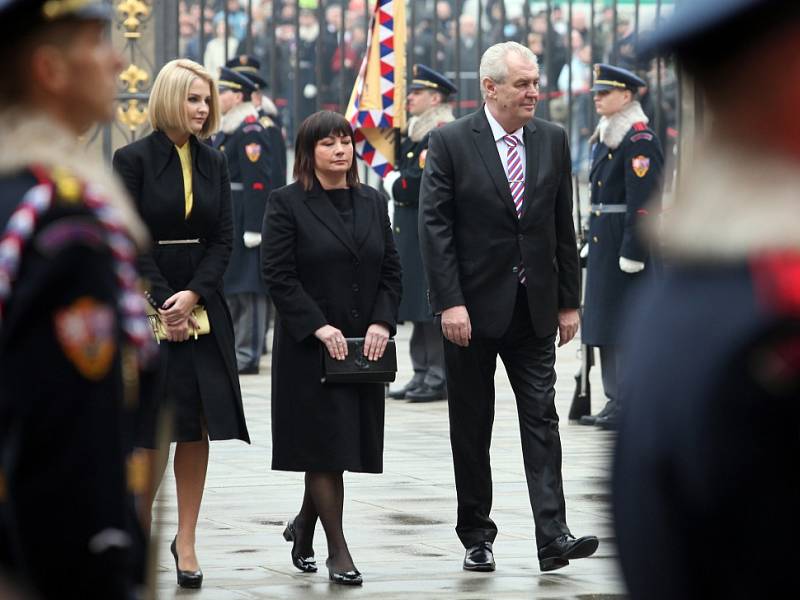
column 323, row 45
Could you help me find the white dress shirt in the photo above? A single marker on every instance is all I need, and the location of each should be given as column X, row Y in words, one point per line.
column 502, row 148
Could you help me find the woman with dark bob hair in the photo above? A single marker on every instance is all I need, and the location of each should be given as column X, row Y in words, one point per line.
column 333, row 272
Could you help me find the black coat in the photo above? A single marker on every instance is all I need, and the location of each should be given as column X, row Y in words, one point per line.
column 319, row 273
column 405, row 191
column 630, row 174
column 257, row 166
column 67, row 412
column 151, row 170
column 471, row 239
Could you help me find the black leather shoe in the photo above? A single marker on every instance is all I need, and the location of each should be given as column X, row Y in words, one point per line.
column 592, row 419
column 427, row 394
column 609, row 422
column 347, row 578
column 186, row 579
column 251, row 370
column 307, row 564
column 561, row 550
column 401, row 393
column 479, row 557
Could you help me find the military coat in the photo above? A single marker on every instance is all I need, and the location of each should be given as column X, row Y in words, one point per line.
column 255, row 170
column 623, row 178
column 73, row 343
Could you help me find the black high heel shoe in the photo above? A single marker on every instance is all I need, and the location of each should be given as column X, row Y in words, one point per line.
column 186, row 579
column 306, row 564
column 347, row 578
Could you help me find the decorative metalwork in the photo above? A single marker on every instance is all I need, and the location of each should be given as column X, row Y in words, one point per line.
column 134, row 77
column 135, row 12
column 132, row 115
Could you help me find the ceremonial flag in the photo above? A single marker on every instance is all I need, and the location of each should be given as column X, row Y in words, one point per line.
column 377, row 107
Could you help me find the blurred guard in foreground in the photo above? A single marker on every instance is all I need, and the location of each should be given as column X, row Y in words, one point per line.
column 707, row 480
column 73, row 334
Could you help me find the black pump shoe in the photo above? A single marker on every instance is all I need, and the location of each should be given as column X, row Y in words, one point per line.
column 347, row 578
column 306, row 564
column 186, row 579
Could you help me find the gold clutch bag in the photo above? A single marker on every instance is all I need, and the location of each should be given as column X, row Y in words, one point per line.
column 160, row 332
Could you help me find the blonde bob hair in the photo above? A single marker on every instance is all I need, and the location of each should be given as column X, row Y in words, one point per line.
column 170, row 91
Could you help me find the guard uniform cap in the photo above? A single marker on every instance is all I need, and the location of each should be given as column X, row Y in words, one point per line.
column 19, row 18
column 235, row 81
column 425, row 78
column 248, row 66
column 609, row 77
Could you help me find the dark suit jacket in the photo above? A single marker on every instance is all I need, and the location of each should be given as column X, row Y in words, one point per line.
column 471, row 239
column 320, row 272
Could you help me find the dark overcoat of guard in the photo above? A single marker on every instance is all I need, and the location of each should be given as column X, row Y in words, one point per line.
column 151, row 170
column 320, row 273
column 255, row 170
column 627, row 169
column 71, row 379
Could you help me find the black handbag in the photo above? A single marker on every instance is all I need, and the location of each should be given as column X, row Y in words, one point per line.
column 357, row 368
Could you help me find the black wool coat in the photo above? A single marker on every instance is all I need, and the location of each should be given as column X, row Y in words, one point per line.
column 631, row 175
column 151, row 170
column 319, row 273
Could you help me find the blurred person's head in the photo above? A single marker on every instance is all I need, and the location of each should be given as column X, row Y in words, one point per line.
column 444, row 11
column 333, row 16
column 509, row 75
column 539, row 23
column 576, row 40
column 61, row 64
column 535, row 43
column 324, row 149
column 579, row 21
column 184, row 100
column 468, row 25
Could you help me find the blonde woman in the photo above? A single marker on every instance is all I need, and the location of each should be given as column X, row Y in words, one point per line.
column 182, row 190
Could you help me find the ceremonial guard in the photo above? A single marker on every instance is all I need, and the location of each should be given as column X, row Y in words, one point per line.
column 74, row 337
column 428, row 107
column 706, row 484
column 625, row 180
column 253, row 175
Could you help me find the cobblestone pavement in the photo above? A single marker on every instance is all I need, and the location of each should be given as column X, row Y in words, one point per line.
column 399, row 525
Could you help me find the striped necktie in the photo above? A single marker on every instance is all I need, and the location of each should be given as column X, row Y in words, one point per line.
column 516, row 182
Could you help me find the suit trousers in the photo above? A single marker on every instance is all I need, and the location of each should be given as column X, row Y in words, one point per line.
column 249, row 314
column 427, row 353
column 529, row 362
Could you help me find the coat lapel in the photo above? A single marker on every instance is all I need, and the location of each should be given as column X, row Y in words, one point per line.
column 484, row 140
column 322, row 208
column 363, row 214
column 532, row 155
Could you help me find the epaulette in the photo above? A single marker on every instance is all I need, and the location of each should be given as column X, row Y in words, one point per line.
column 777, row 281
column 266, row 122
column 67, row 187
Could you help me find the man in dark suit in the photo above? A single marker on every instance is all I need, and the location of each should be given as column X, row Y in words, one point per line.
column 498, row 245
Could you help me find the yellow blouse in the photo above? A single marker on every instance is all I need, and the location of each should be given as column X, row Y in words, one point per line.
column 185, row 154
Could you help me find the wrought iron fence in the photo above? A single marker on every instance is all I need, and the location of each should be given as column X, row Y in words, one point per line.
column 310, row 51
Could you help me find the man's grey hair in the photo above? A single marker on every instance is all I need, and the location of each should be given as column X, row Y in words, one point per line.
column 493, row 61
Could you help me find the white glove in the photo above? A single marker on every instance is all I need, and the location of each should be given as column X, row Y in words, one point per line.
column 585, row 251
column 251, row 239
column 388, row 182
column 630, row 266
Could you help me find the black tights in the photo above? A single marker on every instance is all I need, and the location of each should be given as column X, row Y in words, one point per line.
column 324, row 498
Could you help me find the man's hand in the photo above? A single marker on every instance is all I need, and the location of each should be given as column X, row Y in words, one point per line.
column 568, row 322
column 456, row 326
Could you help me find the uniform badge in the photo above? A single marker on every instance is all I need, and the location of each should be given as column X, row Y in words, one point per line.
column 68, row 187
column 422, row 156
column 253, row 151
column 641, row 165
column 85, row 330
